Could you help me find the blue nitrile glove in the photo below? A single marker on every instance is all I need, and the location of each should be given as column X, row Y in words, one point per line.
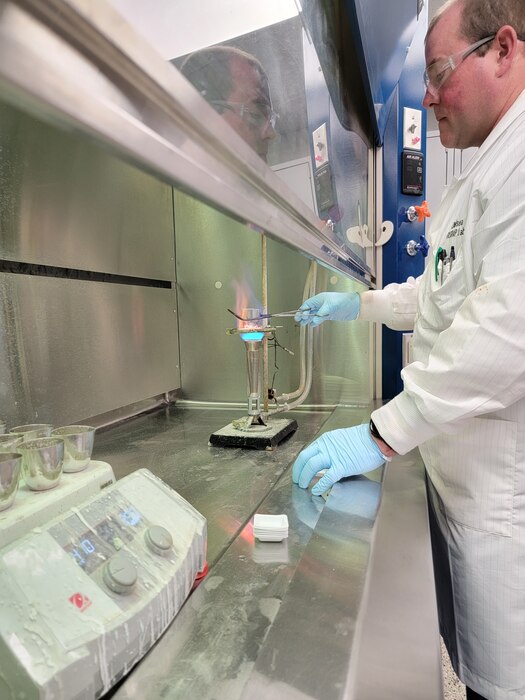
column 329, row 306
column 343, row 452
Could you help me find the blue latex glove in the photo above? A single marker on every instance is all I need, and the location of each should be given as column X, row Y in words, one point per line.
column 329, row 306
column 343, row 452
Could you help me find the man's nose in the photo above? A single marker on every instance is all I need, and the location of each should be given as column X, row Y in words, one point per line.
column 268, row 131
column 429, row 100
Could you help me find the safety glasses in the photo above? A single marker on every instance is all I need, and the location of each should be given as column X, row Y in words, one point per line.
column 257, row 115
column 437, row 73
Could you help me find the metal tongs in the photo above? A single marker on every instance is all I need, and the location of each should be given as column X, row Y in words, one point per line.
column 262, row 316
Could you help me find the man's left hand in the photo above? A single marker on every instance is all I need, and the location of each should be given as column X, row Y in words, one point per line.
column 343, row 452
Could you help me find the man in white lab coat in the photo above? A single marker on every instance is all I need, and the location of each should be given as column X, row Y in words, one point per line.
column 463, row 401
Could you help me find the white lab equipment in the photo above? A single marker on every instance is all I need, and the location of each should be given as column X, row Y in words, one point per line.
column 85, row 594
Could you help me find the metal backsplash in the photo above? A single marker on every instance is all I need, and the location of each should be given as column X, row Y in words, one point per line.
column 87, row 294
column 216, row 256
column 64, row 201
column 73, row 349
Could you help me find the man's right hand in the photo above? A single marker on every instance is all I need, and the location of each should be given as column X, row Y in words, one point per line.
column 329, row 306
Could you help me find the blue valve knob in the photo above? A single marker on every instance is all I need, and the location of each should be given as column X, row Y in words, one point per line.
column 413, row 247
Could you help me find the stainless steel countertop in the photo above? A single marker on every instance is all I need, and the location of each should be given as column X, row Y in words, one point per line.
column 343, row 608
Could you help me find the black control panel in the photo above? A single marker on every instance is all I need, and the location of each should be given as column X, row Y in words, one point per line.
column 412, row 172
column 324, row 187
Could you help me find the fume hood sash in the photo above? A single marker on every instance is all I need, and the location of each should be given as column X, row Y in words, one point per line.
column 78, row 64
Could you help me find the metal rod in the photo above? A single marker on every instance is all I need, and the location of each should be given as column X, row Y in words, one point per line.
column 264, row 294
column 262, row 316
column 237, row 316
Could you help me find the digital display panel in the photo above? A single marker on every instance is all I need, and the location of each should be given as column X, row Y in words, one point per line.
column 130, row 516
column 109, row 534
column 412, row 173
column 85, row 552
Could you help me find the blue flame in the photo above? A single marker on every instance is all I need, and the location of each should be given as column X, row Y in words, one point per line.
column 252, row 335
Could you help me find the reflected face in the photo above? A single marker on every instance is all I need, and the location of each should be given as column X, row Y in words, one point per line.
column 250, row 107
column 463, row 104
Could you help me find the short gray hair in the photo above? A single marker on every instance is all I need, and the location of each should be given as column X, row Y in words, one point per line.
column 481, row 18
column 209, row 70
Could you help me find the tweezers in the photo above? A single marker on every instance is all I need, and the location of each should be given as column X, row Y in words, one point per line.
column 261, row 316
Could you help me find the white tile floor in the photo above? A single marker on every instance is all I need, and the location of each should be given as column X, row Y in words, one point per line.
column 452, row 686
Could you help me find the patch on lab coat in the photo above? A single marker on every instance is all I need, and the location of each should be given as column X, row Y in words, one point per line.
column 457, row 229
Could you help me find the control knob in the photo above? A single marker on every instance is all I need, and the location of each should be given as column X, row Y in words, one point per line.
column 418, row 212
column 120, row 574
column 159, row 540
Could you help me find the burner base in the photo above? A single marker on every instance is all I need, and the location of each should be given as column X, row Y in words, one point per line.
column 259, row 437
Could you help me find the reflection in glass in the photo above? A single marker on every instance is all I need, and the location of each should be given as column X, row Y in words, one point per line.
column 286, row 78
column 251, row 62
column 235, row 83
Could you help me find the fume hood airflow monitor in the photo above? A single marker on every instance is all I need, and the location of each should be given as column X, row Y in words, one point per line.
column 412, row 172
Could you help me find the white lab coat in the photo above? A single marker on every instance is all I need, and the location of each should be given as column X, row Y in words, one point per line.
column 463, row 403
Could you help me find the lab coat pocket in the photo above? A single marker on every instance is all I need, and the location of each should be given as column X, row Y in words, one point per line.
column 474, row 472
column 439, row 299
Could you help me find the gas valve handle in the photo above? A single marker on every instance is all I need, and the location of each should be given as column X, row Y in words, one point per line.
column 413, row 247
column 418, row 212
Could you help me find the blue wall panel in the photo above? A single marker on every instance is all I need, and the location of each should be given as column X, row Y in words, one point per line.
column 397, row 264
column 384, row 30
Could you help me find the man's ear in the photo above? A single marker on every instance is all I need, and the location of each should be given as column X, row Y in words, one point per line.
column 506, row 45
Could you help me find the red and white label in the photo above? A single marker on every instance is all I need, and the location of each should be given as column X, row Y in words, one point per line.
column 80, row 601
